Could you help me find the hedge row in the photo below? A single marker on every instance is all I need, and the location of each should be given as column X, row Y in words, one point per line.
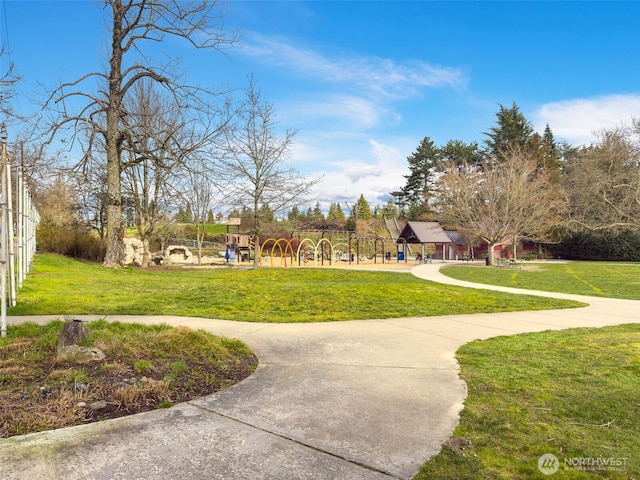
column 623, row 245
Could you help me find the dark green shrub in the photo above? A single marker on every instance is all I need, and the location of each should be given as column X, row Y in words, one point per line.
column 619, row 245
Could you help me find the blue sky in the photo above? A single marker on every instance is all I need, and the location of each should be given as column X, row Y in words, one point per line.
column 363, row 82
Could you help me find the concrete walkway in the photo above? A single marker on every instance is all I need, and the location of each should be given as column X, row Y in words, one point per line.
column 352, row 400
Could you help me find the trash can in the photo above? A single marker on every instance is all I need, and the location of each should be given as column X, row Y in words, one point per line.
column 400, row 256
column 486, row 261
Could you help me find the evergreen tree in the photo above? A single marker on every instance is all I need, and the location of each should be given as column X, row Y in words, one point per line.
column 317, row 212
column 266, row 214
column 362, row 208
column 351, row 224
column 544, row 151
column 235, row 213
column 390, row 210
column 294, row 214
column 461, row 153
column 552, row 155
column 210, row 217
column 335, row 212
column 549, row 139
column 188, row 214
column 512, row 130
column 247, row 218
column 419, row 187
column 184, row 215
column 180, row 216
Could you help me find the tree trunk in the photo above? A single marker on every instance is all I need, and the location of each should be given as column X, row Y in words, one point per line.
column 145, row 253
column 114, row 256
column 256, row 251
column 115, row 253
column 74, row 332
column 492, row 254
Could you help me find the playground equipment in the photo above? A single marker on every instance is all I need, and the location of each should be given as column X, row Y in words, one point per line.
column 328, row 247
column 348, row 247
column 238, row 245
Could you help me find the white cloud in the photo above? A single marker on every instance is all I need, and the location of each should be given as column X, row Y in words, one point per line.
column 357, row 173
column 351, row 112
column 577, row 120
column 344, row 180
column 343, row 102
column 376, row 75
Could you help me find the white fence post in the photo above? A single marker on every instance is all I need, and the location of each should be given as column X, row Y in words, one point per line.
column 26, row 220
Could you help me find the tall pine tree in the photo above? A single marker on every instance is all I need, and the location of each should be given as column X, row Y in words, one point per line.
column 317, row 212
column 335, row 212
column 363, row 208
column 416, row 193
column 512, row 130
column 460, row 153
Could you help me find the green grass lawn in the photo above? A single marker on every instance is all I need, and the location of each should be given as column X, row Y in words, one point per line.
column 571, row 393
column 601, row 279
column 62, row 286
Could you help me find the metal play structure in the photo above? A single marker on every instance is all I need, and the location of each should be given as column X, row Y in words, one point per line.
column 346, row 247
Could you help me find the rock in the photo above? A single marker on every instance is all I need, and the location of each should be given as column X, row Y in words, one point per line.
column 134, row 250
column 81, row 404
column 459, row 445
column 80, row 387
column 46, row 392
column 178, row 254
column 99, row 405
column 76, row 354
column 74, row 332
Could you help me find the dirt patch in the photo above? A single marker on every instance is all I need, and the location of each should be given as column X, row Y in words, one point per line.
column 51, row 394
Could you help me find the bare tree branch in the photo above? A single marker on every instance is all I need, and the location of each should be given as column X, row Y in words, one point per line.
column 254, row 171
column 499, row 201
column 103, row 116
column 603, row 181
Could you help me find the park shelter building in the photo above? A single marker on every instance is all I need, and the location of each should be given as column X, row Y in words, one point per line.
column 430, row 240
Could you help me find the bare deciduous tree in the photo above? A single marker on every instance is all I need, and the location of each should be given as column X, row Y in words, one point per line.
column 255, row 172
column 510, row 199
column 164, row 151
column 603, row 181
column 95, row 104
column 199, row 189
column 8, row 79
column 150, row 160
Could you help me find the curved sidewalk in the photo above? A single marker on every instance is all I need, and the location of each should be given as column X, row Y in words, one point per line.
column 351, row 400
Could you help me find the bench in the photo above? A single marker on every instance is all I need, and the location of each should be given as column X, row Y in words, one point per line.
column 508, row 263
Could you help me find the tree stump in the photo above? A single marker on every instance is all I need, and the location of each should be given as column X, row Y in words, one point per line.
column 74, row 332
